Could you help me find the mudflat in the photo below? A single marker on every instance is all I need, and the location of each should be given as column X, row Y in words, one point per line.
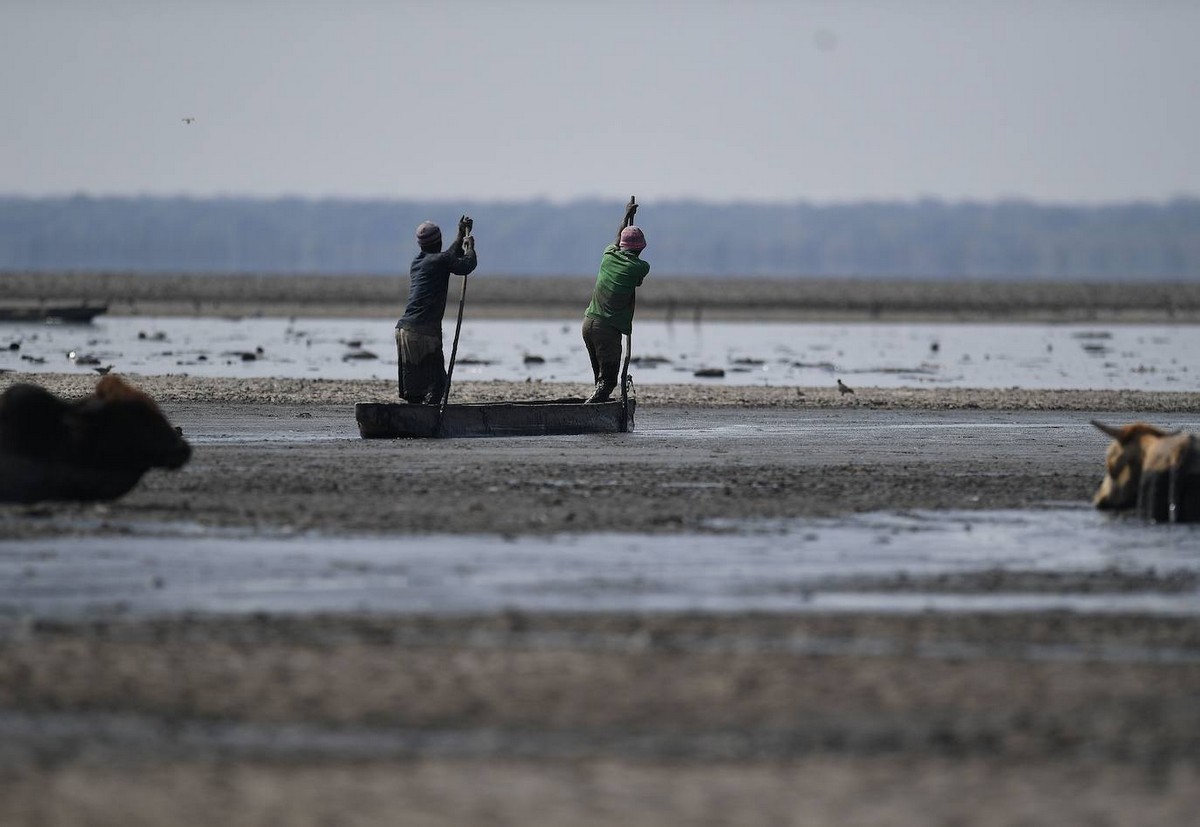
column 286, row 454
column 593, row 717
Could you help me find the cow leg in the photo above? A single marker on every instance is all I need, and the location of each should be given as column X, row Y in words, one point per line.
column 1188, row 506
column 1153, row 502
column 1184, row 505
column 1173, row 499
column 1185, row 496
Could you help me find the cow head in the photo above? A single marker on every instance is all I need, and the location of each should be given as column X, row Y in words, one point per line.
column 1123, row 464
column 124, row 427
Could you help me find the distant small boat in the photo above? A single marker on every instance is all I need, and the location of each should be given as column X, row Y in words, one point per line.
column 59, row 314
column 392, row 420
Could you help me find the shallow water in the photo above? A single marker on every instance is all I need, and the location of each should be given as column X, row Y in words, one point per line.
column 1134, row 357
column 1068, row 558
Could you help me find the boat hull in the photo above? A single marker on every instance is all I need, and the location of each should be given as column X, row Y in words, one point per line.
column 67, row 314
column 392, row 420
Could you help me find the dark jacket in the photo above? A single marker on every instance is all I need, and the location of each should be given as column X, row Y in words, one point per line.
column 429, row 281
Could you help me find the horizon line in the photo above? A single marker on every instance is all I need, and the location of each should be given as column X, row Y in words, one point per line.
column 1180, row 198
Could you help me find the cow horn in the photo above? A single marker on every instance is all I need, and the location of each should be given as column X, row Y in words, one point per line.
column 1112, row 431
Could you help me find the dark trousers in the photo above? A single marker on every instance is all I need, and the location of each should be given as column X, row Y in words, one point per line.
column 422, row 367
column 603, row 344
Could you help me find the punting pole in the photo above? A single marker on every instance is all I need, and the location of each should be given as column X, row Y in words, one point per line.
column 462, row 300
column 628, row 353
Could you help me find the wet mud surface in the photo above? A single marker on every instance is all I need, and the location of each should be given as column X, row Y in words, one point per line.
column 568, row 719
column 305, row 468
column 635, row 717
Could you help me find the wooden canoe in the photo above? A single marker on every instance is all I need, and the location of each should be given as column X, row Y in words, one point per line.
column 392, row 420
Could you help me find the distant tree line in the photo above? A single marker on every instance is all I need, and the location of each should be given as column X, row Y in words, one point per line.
column 923, row 239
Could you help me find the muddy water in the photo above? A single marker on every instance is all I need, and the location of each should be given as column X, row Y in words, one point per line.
column 1054, row 558
column 1134, row 357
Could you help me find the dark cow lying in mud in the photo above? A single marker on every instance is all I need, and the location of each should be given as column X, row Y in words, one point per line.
column 1155, row 472
column 96, row 448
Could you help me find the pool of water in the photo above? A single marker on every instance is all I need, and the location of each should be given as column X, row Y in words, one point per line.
column 1135, row 357
column 1069, row 558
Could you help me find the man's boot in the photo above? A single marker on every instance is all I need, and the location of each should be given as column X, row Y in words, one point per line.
column 606, row 383
column 435, row 393
column 602, row 393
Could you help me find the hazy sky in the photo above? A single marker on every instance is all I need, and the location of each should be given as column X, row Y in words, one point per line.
column 1077, row 102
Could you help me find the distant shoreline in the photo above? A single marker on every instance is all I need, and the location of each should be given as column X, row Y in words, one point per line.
column 1134, row 241
column 680, row 298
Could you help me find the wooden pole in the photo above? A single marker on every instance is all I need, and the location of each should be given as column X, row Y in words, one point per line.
column 462, row 300
column 628, row 353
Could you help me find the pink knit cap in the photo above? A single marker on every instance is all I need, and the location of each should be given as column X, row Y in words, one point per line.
column 632, row 239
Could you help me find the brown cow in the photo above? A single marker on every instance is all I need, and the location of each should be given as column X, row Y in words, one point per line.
column 1153, row 471
column 96, row 448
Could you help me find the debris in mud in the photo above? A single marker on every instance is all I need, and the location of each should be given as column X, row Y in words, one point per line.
column 649, row 361
column 709, row 373
column 246, row 355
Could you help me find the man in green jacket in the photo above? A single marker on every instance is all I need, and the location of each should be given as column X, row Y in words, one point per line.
column 610, row 312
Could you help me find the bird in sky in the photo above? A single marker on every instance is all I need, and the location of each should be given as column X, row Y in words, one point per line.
column 843, row 388
column 188, row 119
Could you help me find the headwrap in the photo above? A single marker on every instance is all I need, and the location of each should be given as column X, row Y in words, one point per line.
column 632, row 239
column 429, row 234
